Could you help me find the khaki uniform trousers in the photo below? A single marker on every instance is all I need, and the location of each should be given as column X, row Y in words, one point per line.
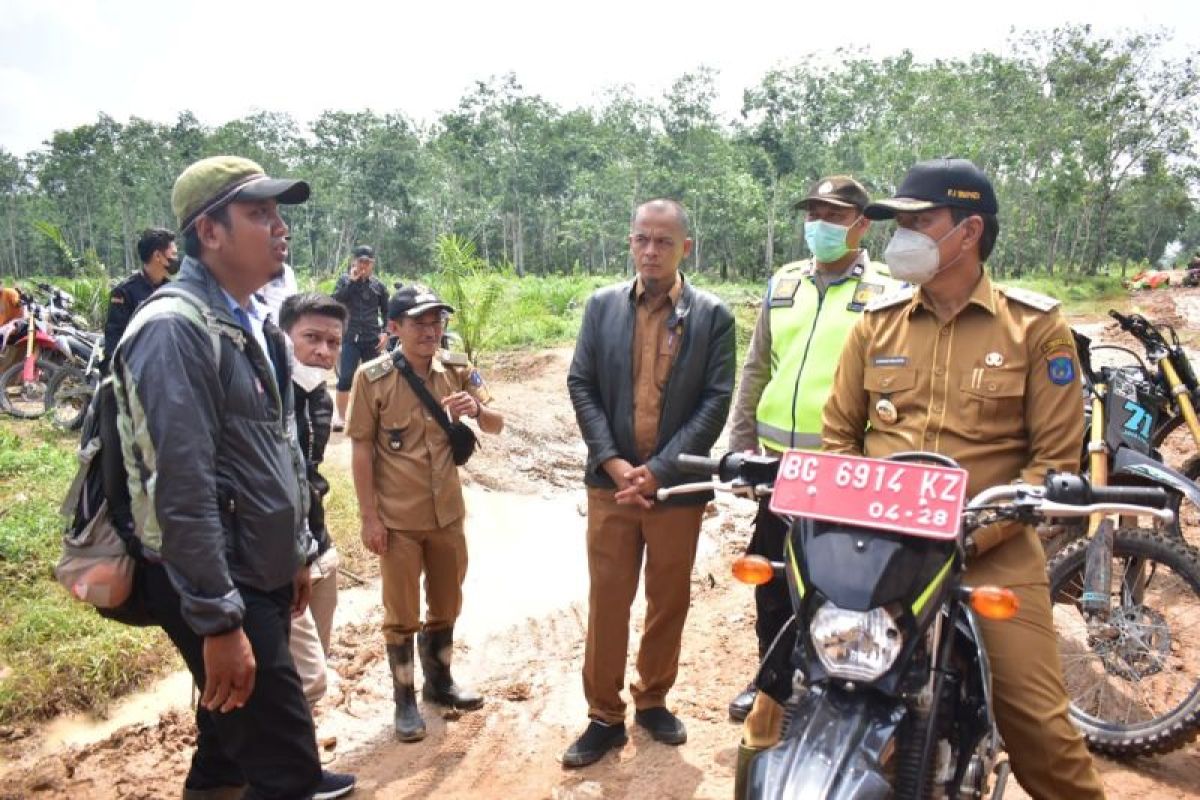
column 441, row 553
column 617, row 538
column 312, row 631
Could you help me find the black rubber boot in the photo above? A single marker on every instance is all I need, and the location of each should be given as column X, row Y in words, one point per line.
column 746, row 756
column 407, row 721
column 436, row 649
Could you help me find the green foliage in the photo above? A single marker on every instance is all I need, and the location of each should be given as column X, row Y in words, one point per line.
column 473, row 288
column 56, row 654
column 1089, row 140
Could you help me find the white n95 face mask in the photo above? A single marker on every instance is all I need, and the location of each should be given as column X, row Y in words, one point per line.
column 913, row 257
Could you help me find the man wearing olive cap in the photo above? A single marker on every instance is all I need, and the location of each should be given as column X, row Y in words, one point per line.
column 216, row 479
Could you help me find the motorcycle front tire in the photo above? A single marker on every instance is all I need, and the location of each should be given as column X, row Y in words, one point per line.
column 1147, row 646
column 68, row 393
column 15, row 400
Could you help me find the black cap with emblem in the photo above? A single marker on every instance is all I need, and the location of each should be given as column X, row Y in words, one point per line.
column 936, row 183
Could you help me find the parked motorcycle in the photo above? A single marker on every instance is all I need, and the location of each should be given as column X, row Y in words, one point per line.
column 23, row 385
column 893, row 686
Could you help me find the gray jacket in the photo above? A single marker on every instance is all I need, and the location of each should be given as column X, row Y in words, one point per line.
column 215, row 476
column 695, row 400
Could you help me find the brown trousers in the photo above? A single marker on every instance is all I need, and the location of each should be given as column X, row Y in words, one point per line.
column 617, row 538
column 442, row 554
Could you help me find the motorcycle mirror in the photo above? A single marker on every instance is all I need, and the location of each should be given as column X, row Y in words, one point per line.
column 753, row 570
column 992, row 602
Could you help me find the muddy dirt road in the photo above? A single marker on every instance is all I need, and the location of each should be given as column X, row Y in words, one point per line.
column 520, row 641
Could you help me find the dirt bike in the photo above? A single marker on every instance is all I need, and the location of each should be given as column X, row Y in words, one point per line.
column 23, row 385
column 1124, row 648
column 893, row 685
column 1176, row 379
column 70, row 388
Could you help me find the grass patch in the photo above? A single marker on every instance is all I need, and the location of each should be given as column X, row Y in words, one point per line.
column 56, row 654
column 341, row 518
column 1078, row 294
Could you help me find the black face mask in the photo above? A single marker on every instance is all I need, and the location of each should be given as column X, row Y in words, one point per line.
column 173, row 265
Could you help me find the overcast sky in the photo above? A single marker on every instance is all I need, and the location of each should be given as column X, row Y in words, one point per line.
column 64, row 61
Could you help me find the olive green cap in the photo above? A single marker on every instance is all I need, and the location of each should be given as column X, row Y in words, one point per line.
column 213, row 182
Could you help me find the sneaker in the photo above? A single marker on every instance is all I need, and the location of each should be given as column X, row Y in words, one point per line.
column 338, row 425
column 662, row 725
column 334, row 784
column 597, row 740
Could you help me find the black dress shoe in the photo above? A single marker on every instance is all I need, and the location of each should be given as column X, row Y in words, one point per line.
column 739, row 707
column 662, row 725
column 597, row 740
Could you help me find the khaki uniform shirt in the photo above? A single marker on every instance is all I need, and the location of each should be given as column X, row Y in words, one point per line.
column 416, row 480
column 997, row 388
column 654, row 348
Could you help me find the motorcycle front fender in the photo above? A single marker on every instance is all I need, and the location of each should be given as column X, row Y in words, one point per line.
column 834, row 749
column 1134, row 464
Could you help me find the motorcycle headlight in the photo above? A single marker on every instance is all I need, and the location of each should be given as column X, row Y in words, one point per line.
column 855, row 645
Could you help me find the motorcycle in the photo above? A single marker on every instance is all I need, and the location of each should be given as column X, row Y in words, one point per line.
column 23, row 384
column 893, row 689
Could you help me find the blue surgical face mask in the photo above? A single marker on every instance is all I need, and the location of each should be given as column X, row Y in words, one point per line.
column 826, row 240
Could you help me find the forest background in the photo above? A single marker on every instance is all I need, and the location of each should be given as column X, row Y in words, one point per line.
column 1088, row 138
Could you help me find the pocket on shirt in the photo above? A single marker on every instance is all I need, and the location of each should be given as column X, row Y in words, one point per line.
column 994, row 400
column 668, row 346
column 897, row 385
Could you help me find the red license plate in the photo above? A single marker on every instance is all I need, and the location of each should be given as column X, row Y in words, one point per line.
column 919, row 499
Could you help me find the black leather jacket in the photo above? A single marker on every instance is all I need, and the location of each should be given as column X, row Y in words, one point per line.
column 366, row 301
column 696, row 398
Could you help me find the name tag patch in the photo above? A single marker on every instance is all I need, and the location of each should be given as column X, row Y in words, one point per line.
column 890, row 361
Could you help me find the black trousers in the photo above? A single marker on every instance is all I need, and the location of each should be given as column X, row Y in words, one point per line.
column 270, row 743
column 773, row 608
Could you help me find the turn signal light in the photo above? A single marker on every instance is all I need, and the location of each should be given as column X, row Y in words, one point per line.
column 992, row 602
column 754, row 570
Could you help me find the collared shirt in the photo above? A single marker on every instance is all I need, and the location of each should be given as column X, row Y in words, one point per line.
column 416, row 481
column 997, row 388
column 654, row 348
column 257, row 315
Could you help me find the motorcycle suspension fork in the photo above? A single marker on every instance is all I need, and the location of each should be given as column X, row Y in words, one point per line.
column 29, row 370
column 1182, row 398
column 1097, row 450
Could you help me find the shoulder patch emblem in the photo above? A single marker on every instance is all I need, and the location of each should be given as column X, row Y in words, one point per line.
column 378, row 367
column 898, row 297
column 1061, row 370
column 1025, row 297
column 864, row 293
column 116, row 297
column 783, row 293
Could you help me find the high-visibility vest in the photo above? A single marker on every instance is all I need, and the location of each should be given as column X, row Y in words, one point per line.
column 807, row 334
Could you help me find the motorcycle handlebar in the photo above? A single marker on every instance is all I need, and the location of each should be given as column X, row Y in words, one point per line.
column 1148, row 496
column 697, row 465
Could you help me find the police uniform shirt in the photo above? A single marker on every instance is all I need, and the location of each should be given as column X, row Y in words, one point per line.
column 416, row 480
column 996, row 388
